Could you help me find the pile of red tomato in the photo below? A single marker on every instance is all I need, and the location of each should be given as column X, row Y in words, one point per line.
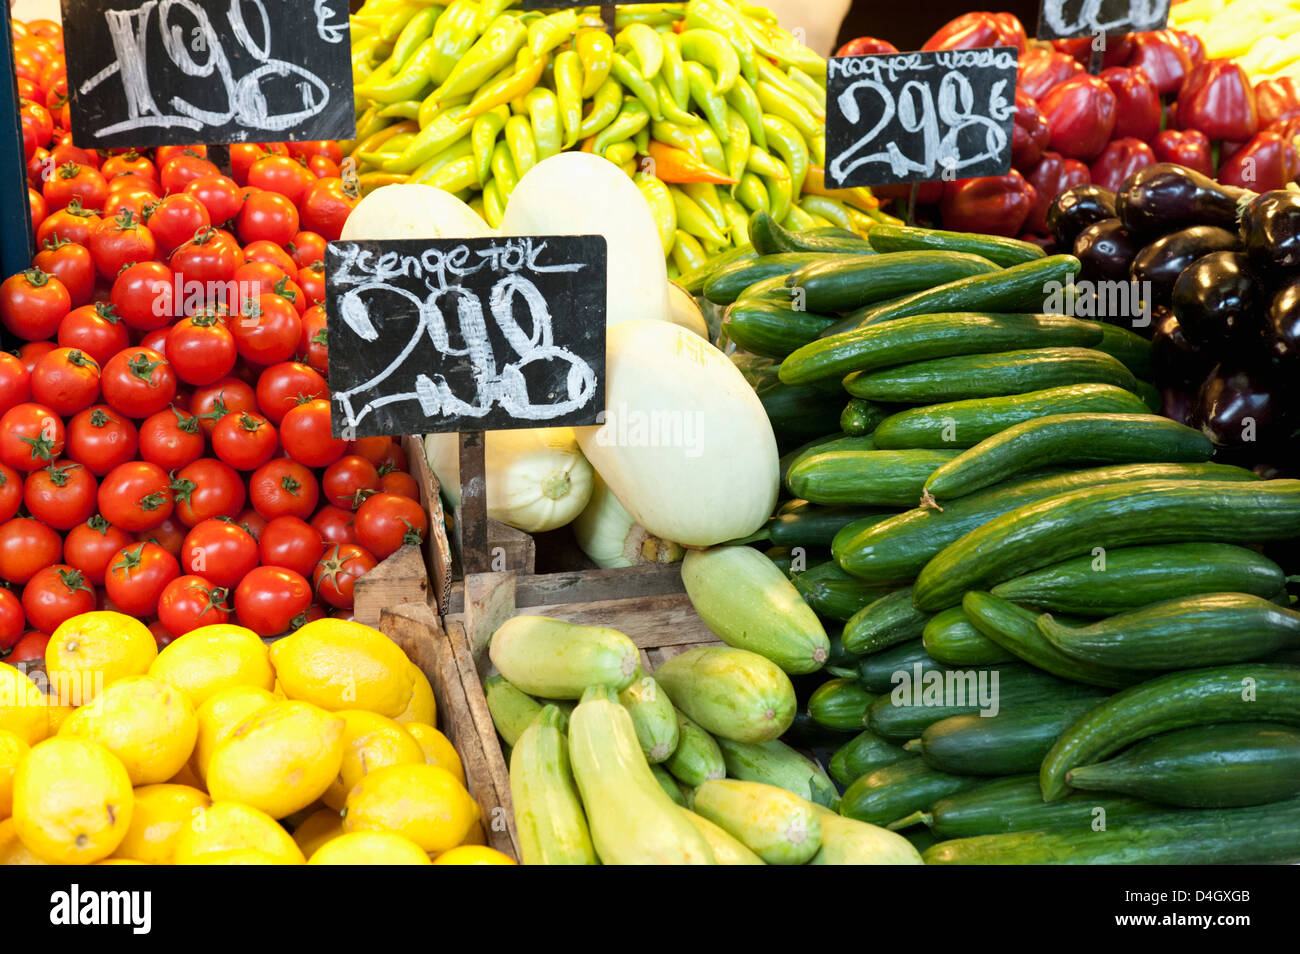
column 163, row 452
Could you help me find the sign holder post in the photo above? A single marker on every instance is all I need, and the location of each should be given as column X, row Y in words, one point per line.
column 473, row 504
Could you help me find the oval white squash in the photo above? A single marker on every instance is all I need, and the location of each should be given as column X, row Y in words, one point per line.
column 410, row 211
column 684, row 310
column 576, row 193
column 537, row 479
column 686, row 446
column 606, row 533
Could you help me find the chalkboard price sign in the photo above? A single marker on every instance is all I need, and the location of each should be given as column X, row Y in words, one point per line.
column 1065, row 19
column 919, row 117
column 466, row 334
column 150, row 73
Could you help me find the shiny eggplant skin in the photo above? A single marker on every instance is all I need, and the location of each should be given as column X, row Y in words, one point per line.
column 1077, row 208
column 1175, row 361
column 1270, row 231
column 1106, row 250
column 1284, row 320
column 1166, row 197
column 1161, row 262
column 1219, row 298
column 1242, row 408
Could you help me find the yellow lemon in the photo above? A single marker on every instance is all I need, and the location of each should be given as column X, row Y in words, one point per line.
column 22, row 706
column 12, row 849
column 422, row 707
column 341, row 664
column 369, row 848
column 279, row 759
column 219, row 716
column 161, row 811
column 476, row 836
column 239, row 856
column 145, row 722
column 423, row 802
column 12, row 749
column 57, row 713
column 187, row 777
column 473, row 855
column 121, row 861
column 211, row 658
column 72, row 801
column 318, row 828
column 370, row 742
column 437, row 749
column 231, row 826
column 90, row 652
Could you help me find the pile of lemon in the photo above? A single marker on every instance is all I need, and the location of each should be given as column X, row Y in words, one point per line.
column 219, row 750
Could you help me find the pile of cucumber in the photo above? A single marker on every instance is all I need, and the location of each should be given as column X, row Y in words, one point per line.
column 978, row 491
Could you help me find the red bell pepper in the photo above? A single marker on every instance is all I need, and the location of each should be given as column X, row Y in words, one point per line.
column 1013, row 30
column 1081, row 112
column 1119, row 160
column 1030, row 134
column 928, row 193
column 994, row 205
column 1139, row 111
column 1162, row 58
column 1288, row 129
column 1052, row 176
column 1217, row 99
column 1268, row 161
column 971, row 30
column 1041, row 70
column 1194, row 46
column 1277, row 99
column 865, row 45
column 1187, row 147
column 1115, row 53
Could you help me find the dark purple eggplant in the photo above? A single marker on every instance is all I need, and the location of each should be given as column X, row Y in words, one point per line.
column 1105, row 250
column 1284, row 320
column 1175, row 361
column 1218, row 298
column 1166, row 197
column 1161, row 262
column 1177, row 405
column 1242, row 407
column 1270, row 231
column 1077, row 208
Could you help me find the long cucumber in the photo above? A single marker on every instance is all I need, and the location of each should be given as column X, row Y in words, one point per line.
column 845, row 283
column 771, row 329
column 800, row 523
column 865, row 478
column 1016, row 804
column 1009, row 743
column 950, row 639
column 726, row 283
column 877, row 672
column 833, row 593
column 1003, row 251
column 896, row 791
column 863, row 753
column 840, row 704
column 1128, row 347
column 862, row 417
column 887, row 622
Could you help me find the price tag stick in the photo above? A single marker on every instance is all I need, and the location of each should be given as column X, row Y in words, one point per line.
column 911, row 202
column 219, row 156
column 473, row 504
column 608, row 13
column 1094, row 61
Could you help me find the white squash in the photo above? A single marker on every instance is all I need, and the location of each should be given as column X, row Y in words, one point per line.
column 686, row 446
column 684, row 310
column 606, row 532
column 537, row 479
column 413, row 211
column 576, row 193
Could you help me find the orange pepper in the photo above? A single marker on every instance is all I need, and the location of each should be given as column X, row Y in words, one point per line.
column 678, row 165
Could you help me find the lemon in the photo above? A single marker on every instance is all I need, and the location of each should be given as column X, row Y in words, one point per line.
column 72, row 801
column 22, row 706
column 212, row 658
column 473, row 855
column 370, row 742
column 476, row 836
column 369, row 848
column 422, row 707
column 423, row 802
column 437, row 749
column 225, row 827
column 88, row 653
column 121, row 861
column 161, row 811
column 57, row 713
column 145, row 722
column 186, row 776
column 12, row 749
column 318, row 828
column 12, row 850
column 341, row 664
column 280, row 759
column 218, row 717
column 240, row 856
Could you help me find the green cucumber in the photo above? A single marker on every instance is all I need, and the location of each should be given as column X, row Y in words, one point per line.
column 895, row 791
column 840, row 704
column 697, row 757
column 865, row 478
column 862, row 417
column 695, row 280
column 877, row 672
column 864, row 753
column 887, row 622
column 1204, row 630
column 1251, row 692
column 843, row 283
column 800, row 523
column 653, row 717
column 782, row 558
column 1210, row 766
column 808, row 449
column 965, row 423
column 1016, row 804
column 800, row 413
column 733, row 693
column 1129, row 347
column 897, row 549
column 1132, row 577
column 1067, row 439
column 770, row 328
column 1001, row 251
column 833, row 593
column 726, row 283
column 925, row 337
column 1069, row 524
column 1015, row 289
column 840, row 661
column 970, row 376
column 775, row 763
column 806, row 734
column 770, row 238
column 950, row 639
column 1009, row 743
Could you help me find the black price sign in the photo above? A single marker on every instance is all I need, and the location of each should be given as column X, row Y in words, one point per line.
column 1066, row 19
column 466, row 334
column 175, row 72
column 919, row 117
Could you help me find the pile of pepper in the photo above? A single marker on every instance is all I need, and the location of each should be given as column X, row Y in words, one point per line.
column 714, row 111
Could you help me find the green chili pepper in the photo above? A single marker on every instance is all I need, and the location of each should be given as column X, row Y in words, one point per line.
column 767, row 73
column 455, row 32
column 682, row 137
column 636, row 84
column 596, row 50
column 604, row 108
column 621, row 153
column 712, row 49
column 805, row 82
column 674, row 76
column 568, row 90
column 457, row 150
column 694, row 220
column 395, row 22
column 688, row 253
column 430, row 109
column 494, row 211
column 659, row 198
column 737, row 145
column 778, row 103
column 417, row 30
column 406, row 84
column 744, row 101
column 445, row 129
column 549, row 32
column 645, row 44
column 817, row 150
column 544, row 111
column 671, row 111
column 407, row 109
column 483, row 138
column 711, row 147
column 708, row 99
column 504, row 173
column 523, row 146
column 631, row 119
column 737, row 219
column 700, row 14
column 705, row 195
column 787, row 141
column 642, row 140
column 776, row 178
column 456, row 175
column 826, row 207
column 495, row 50
column 798, row 220
column 651, row 16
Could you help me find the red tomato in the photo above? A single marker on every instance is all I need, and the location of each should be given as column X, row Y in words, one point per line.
column 129, row 163
column 253, row 522
column 26, row 547
column 61, row 495
column 338, row 571
column 95, row 329
column 205, row 259
column 201, row 348
column 170, row 535
column 66, row 381
column 71, row 264
column 282, row 486
column 72, row 181
column 242, row 157
column 165, row 154
column 31, row 435
column 281, row 386
column 323, row 167
column 325, row 206
column 321, row 147
column 64, row 152
column 207, row 488
column 291, row 543
column 138, row 382
column 189, row 602
column 244, row 441
column 15, row 382
column 31, row 646
column 30, row 354
column 215, row 401
column 394, row 459
column 136, row 201
column 32, row 303
column 312, row 283
column 349, row 481
column 12, row 623
column 267, row 215
column 161, row 637
column 73, row 224
column 100, row 438
column 55, row 594
column 36, row 202
column 37, row 123
column 176, row 219
column 11, row 492
column 399, row 482
column 171, row 439
column 137, row 576
column 143, row 295
column 220, row 550
column 305, row 434
column 313, row 344
column 219, row 195
column 136, row 496
column 178, row 172
column 289, row 177
column 386, row 522
column 91, row 545
column 270, row 599
column 120, row 241
column 335, row 525
column 266, row 330
column 271, row 254
column 307, row 248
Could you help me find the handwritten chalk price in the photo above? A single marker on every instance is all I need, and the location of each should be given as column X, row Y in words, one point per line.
column 1065, row 19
